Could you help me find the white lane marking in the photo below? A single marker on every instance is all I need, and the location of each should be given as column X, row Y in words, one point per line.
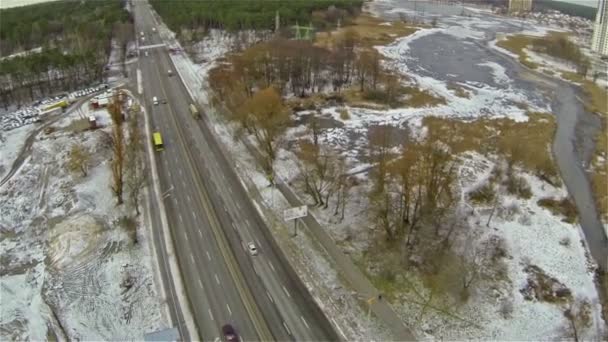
column 338, row 327
column 305, row 323
column 140, row 88
column 224, row 205
column 210, row 314
column 192, row 258
column 170, row 174
column 180, row 218
column 184, row 183
column 238, row 205
column 200, row 233
column 269, row 296
column 248, row 223
column 208, row 255
column 193, row 215
column 286, row 328
column 200, row 284
column 269, row 263
column 185, row 235
column 189, row 198
column 233, row 225
column 223, row 177
column 229, row 311
column 285, row 290
column 181, row 173
column 217, row 279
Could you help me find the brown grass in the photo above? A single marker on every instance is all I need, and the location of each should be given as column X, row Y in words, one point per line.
column 599, row 177
column 516, row 44
column 355, row 98
column 597, row 96
column 564, row 207
column 417, row 97
column 526, row 144
column 369, row 30
column 459, row 91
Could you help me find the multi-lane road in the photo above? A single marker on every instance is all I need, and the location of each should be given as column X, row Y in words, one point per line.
column 211, row 219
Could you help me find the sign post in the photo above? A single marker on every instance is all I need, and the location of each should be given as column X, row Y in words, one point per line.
column 293, row 214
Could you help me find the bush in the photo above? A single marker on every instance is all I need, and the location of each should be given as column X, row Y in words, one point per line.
column 518, row 186
column 564, row 207
column 344, row 115
column 483, row 194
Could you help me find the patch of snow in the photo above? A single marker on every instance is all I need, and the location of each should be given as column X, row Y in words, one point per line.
column 498, row 71
column 11, row 143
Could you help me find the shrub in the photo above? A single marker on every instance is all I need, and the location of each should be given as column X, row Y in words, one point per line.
column 564, row 207
column 518, row 186
column 344, row 115
column 483, row 194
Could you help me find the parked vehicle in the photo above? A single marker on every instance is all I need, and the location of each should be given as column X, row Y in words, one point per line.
column 155, row 100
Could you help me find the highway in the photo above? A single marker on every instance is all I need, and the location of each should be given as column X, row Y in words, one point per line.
column 211, row 219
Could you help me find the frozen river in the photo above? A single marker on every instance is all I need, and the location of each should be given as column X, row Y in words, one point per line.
column 459, row 51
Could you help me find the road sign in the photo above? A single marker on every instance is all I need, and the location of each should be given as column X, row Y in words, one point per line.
column 295, row 212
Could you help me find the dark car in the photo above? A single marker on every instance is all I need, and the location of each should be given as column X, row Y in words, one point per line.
column 229, row 333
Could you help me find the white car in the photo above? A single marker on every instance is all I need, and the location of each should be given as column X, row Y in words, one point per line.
column 253, row 250
column 155, row 100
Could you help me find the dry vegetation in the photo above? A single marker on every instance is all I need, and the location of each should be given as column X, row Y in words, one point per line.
column 458, row 90
column 564, row 207
column 600, row 172
column 517, row 44
column 524, row 144
column 370, row 31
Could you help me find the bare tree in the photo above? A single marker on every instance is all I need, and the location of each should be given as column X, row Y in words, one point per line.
column 118, row 149
column 79, row 160
column 268, row 119
column 136, row 172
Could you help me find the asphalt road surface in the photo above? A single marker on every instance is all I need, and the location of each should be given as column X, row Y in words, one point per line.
column 211, row 220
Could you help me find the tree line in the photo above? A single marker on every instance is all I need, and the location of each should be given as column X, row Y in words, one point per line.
column 75, row 41
column 243, row 14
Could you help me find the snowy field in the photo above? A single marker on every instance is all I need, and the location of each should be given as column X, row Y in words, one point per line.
column 70, row 270
column 537, row 243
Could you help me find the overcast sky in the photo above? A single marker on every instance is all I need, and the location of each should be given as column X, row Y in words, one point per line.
column 590, row 3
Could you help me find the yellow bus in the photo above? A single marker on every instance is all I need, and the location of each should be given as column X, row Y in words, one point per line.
column 194, row 111
column 158, row 141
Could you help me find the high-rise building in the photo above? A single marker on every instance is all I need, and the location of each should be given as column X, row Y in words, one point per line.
column 599, row 41
column 520, row 6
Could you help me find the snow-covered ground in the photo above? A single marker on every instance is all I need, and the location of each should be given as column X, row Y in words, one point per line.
column 532, row 235
column 70, row 270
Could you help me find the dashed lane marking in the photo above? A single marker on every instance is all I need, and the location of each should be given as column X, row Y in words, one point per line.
column 305, row 323
column 285, row 290
column 286, row 328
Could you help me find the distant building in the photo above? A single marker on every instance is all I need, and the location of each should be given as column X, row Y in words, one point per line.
column 599, row 41
column 520, row 6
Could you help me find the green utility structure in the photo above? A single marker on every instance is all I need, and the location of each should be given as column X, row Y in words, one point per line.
column 304, row 32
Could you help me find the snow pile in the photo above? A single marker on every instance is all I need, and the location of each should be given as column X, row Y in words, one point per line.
column 70, row 269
